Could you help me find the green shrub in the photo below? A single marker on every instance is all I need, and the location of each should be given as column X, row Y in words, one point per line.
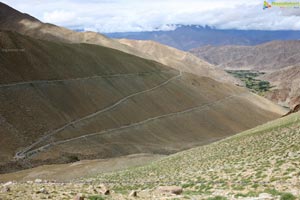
column 273, row 192
column 287, row 196
column 96, row 198
column 217, row 198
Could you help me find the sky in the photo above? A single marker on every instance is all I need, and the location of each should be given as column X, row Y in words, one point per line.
column 108, row 16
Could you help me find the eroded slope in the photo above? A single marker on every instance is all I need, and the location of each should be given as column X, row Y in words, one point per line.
column 265, row 57
column 179, row 60
column 63, row 102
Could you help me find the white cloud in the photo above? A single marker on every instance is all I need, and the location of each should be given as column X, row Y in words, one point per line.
column 146, row 15
column 59, row 17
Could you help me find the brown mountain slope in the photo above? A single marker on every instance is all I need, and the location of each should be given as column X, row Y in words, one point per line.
column 11, row 19
column 62, row 102
column 180, row 60
column 287, row 81
column 266, row 57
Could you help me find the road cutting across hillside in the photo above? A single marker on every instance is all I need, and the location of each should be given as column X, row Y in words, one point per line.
column 22, row 154
column 30, row 153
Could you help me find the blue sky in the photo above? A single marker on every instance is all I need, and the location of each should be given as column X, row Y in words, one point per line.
column 147, row 15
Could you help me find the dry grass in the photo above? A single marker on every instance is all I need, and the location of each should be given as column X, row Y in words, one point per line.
column 263, row 159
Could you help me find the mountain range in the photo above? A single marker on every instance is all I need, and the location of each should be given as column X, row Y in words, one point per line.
column 66, row 97
column 83, row 116
column 278, row 59
column 186, row 37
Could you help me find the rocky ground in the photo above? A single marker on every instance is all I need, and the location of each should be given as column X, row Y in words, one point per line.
column 91, row 191
column 262, row 163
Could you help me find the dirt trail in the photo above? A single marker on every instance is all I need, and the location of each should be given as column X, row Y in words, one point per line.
column 198, row 108
column 77, row 79
column 22, row 154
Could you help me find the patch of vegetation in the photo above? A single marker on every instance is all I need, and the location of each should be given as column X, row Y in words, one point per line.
column 249, row 194
column 283, row 195
column 96, row 198
column 217, row 198
column 273, row 192
column 188, row 185
column 255, row 159
column 73, row 158
column 250, row 78
column 287, row 196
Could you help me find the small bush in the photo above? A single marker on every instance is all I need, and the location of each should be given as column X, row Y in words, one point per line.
column 96, row 198
column 273, row 192
column 217, row 198
column 287, row 196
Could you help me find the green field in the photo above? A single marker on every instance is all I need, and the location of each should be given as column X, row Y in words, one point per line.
column 251, row 80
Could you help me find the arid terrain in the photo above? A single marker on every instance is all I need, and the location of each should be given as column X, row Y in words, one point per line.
column 261, row 163
column 82, row 114
column 180, row 60
column 64, row 102
column 279, row 59
column 13, row 20
column 287, row 81
column 265, row 57
column 110, row 106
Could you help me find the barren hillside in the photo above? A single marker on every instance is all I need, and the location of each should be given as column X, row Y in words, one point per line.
column 63, row 102
column 265, row 57
column 180, row 60
column 13, row 20
column 261, row 163
column 287, row 82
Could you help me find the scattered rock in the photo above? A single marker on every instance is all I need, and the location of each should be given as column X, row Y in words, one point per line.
column 6, row 189
column 8, row 184
column 42, row 191
column 29, row 182
column 103, row 189
column 38, row 181
column 170, row 189
column 265, row 196
column 133, row 194
column 79, row 197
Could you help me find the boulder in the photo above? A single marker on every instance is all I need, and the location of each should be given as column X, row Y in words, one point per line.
column 170, row 190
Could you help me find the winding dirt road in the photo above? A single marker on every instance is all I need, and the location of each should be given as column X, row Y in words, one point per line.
column 23, row 154
column 109, row 131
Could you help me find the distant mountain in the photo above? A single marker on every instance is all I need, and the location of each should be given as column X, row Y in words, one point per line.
column 193, row 36
column 180, row 60
column 280, row 59
column 267, row 57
